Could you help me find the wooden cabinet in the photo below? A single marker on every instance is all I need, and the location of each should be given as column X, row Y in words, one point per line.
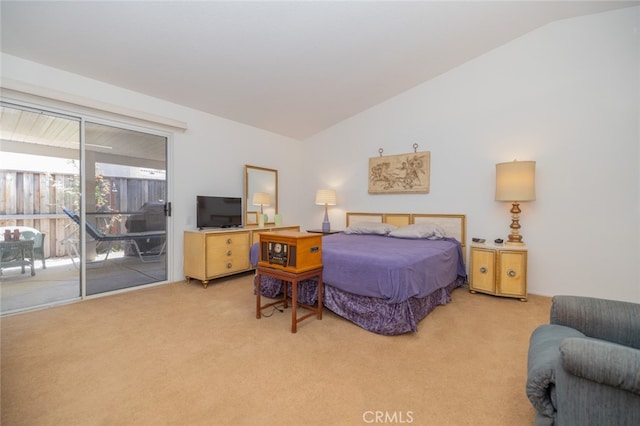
column 217, row 253
column 499, row 270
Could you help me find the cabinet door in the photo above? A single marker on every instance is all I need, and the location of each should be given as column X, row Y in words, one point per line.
column 255, row 233
column 513, row 273
column 483, row 270
column 194, row 261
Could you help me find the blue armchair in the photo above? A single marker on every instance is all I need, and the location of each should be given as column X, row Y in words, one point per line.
column 584, row 367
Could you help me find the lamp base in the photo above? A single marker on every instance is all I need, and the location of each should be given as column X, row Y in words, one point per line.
column 326, row 226
column 260, row 221
column 515, row 239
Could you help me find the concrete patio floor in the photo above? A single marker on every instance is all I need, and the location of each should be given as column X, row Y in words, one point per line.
column 60, row 281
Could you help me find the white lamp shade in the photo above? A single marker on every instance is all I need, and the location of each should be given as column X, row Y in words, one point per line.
column 515, row 181
column 261, row 199
column 326, row 196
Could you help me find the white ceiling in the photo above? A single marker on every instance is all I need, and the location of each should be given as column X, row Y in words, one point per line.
column 293, row 68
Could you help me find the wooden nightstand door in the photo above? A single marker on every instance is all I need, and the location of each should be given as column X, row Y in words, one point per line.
column 513, row 273
column 483, row 270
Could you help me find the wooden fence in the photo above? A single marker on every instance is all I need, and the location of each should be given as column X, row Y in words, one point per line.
column 36, row 200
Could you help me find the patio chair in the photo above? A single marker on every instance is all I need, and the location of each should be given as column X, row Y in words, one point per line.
column 128, row 238
column 38, row 244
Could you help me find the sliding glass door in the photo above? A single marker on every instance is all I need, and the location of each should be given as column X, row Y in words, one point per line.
column 126, row 201
column 92, row 198
column 39, row 176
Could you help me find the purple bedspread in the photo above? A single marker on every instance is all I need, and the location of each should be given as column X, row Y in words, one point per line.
column 388, row 268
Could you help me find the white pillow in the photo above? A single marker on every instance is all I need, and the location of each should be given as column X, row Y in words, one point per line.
column 370, row 228
column 431, row 231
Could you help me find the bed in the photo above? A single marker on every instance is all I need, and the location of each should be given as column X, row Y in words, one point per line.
column 387, row 272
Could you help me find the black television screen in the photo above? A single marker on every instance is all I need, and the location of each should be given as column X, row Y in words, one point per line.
column 219, row 212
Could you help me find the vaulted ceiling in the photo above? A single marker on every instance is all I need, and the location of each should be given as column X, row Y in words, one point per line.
column 293, row 68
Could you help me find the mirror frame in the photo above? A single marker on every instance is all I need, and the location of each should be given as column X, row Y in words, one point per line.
column 259, row 179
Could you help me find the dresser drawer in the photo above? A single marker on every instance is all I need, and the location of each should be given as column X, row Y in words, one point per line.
column 227, row 253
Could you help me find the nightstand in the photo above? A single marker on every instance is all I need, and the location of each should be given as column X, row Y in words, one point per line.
column 320, row 231
column 500, row 270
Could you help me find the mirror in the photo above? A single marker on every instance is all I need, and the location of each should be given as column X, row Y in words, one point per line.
column 263, row 181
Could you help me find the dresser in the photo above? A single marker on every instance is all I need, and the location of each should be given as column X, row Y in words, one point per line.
column 215, row 253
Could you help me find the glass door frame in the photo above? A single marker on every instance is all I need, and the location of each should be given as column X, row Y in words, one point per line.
column 83, row 218
column 48, row 215
column 76, row 112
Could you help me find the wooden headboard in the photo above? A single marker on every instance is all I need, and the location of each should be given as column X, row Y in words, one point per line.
column 455, row 225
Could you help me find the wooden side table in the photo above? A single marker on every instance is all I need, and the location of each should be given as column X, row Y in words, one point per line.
column 499, row 270
column 289, row 278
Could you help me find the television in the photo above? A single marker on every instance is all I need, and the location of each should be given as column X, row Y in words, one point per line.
column 218, row 212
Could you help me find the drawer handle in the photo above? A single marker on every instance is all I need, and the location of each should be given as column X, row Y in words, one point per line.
column 511, row 273
column 228, row 240
column 483, row 269
column 229, row 253
column 229, row 265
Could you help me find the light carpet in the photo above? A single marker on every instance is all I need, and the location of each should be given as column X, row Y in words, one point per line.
column 180, row 354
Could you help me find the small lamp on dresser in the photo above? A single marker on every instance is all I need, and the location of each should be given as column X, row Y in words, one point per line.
column 261, row 199
column 326, row 197
column 515, row 183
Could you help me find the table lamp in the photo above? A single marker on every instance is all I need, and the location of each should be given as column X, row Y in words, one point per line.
column 261, row 199
column 326, row 197
column 515, row 182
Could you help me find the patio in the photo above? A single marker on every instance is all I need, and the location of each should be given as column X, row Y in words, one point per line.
column 60, row 282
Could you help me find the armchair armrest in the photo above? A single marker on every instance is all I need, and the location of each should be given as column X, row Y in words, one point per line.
column 602, row 362
column 610, row 320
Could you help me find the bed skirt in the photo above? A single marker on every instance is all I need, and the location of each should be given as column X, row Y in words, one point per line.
column 370, row 313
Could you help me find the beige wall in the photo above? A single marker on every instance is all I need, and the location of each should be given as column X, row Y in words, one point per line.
column 565, row 95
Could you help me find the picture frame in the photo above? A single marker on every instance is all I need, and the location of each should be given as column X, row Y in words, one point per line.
column 252, row 218
column 400, row 174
